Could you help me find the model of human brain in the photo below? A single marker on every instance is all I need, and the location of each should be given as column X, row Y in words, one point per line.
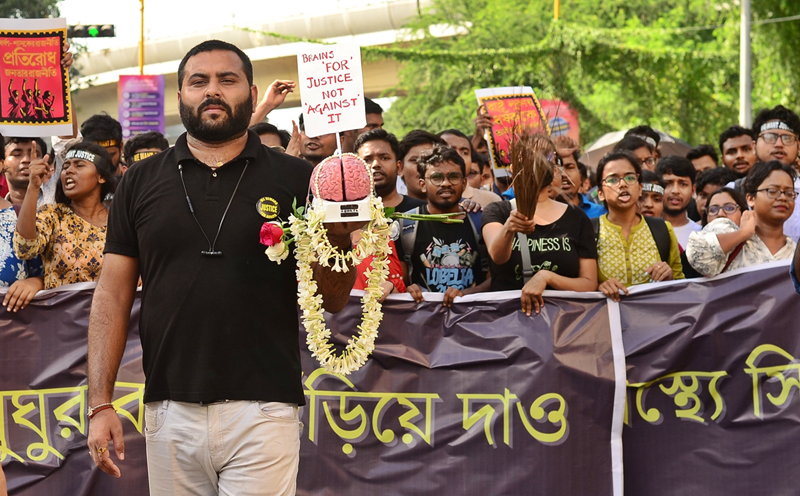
column 326, row 180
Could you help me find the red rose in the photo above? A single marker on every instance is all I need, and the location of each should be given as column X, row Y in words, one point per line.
column 271, row 234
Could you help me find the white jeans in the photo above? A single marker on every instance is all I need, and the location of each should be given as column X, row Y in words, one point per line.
column 232, row 448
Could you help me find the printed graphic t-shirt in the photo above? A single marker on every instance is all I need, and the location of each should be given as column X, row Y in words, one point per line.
column 445, row 255
column 557, row 247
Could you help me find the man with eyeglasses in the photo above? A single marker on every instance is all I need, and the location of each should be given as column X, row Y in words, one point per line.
column 642, row 147
column 462, row 144
column 443, row 257
column 677, row 174
column 776, row 132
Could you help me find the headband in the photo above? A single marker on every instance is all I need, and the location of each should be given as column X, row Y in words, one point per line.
column 142, row 155
column 107, row 143
column 650, row 141
column 652, row 188
column 768, row 126
column 82, row 155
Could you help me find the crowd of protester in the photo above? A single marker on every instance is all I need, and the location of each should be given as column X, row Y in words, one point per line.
column 639, row 217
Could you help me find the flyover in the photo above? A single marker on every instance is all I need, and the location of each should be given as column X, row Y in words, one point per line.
column 372, row 25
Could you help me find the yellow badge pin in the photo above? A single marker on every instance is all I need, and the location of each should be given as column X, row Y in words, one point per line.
column 268, row 208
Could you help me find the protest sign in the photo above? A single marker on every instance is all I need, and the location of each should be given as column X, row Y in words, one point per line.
column 561, row 119
column 141, row 104
column 34, row 94
column 513, row 108
column 331, row 88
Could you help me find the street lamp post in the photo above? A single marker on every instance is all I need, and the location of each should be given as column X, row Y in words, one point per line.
column 745, row 83
column 141, row 40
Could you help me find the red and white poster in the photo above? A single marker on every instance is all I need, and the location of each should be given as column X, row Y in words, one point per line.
column 34, row 87
column 513, row 108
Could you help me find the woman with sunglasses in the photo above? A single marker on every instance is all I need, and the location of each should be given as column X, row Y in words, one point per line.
column 723, row 245
column 727, row 203
column 558, row 243
column 628, row 251
column 69, row 235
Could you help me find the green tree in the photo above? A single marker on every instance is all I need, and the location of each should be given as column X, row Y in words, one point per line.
column 28, row 8
column 673, row 64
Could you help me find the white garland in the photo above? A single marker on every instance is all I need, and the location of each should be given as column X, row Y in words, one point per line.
column 312, row 245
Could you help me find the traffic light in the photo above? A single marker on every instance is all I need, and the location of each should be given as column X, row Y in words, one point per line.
column 91, row 31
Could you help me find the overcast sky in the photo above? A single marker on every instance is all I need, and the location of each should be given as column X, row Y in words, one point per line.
column 171, row 18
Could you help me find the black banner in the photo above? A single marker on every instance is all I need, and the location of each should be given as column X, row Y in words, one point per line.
column 477, row 399
column 43, row 400
column 712, row 386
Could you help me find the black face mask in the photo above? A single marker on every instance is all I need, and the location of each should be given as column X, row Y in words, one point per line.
column 221, row 130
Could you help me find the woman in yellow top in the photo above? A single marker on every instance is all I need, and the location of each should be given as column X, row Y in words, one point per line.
column 627, row 250
column 71, row 233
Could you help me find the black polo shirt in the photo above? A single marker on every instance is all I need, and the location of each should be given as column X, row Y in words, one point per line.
column 212, row 328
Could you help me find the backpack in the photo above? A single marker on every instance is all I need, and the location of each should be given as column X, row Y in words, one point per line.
column 409, row 235
column 658, row 228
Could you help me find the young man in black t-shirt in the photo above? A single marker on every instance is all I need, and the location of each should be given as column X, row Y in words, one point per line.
column 218, row 320
column 440, row 257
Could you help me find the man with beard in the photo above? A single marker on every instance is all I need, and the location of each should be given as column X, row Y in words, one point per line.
column 218, row 323
column 461, row 143
column 738, row 149
column 439, row 257
column 379, row 150
column 776, row 131
column 677, row 174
